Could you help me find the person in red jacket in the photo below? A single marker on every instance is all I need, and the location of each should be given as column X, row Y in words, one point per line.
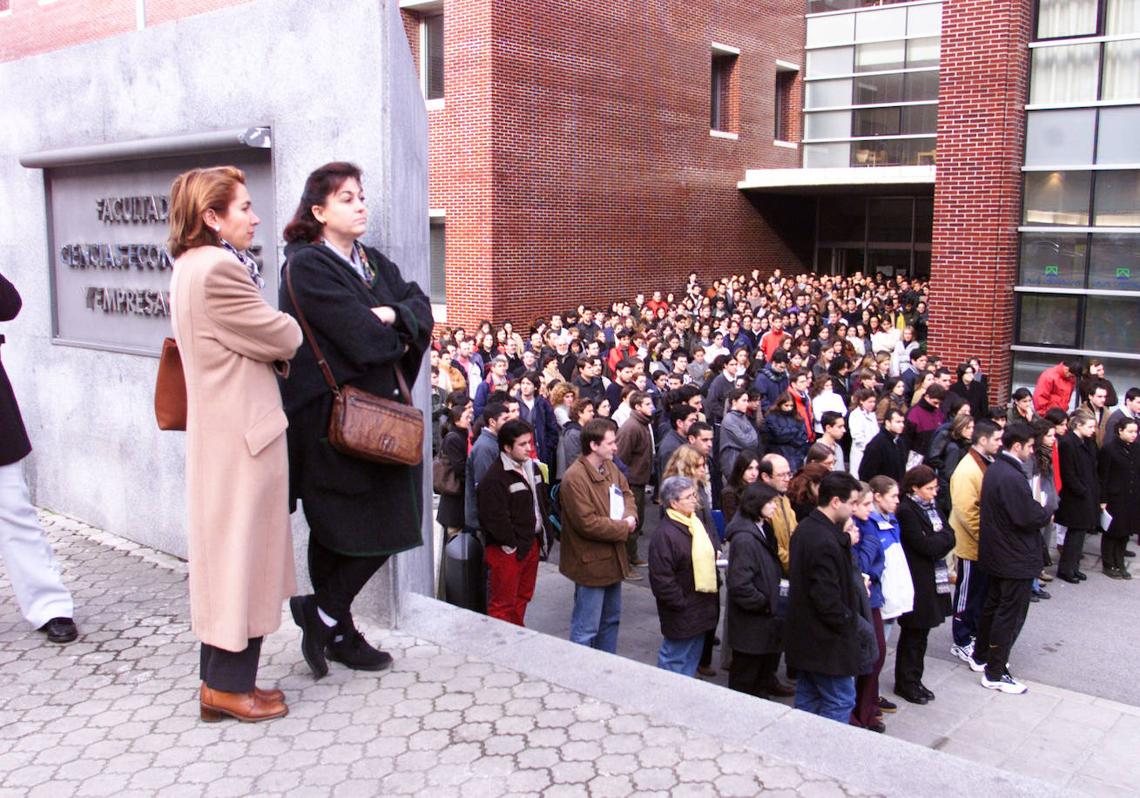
column 1055, row 386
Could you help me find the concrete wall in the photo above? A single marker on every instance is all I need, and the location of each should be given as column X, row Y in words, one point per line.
column 334, row 80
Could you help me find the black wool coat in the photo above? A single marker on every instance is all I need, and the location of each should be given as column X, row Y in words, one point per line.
column 1119, row 468
column 1010, row 522
column 454, row 450
column 923, row 546
column 682, row 610
column 884, row 456
column 1080, row 486
column 14, row 443
column 353, row 506
column 823, row 607
column 753, row 588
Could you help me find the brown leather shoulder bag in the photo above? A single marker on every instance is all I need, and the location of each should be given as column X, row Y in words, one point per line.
column 364, row 425
column 170, row 388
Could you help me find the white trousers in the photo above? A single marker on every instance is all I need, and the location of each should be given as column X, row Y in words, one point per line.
column 28, row 558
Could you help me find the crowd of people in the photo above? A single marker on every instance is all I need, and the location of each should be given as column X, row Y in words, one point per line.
column 799, row 461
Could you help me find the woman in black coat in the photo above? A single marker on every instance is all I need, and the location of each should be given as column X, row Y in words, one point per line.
column 926, row 540
column 454, row 451
column 753, row 624
column 1119, row 467
column 1079, row 510
column 370, row 324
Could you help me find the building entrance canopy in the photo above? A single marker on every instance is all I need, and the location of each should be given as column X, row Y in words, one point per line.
column 840, row 180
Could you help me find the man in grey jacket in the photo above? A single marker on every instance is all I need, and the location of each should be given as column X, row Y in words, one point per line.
column 484, row 451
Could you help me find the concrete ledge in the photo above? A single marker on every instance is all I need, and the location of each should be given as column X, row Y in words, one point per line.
column 863, row 760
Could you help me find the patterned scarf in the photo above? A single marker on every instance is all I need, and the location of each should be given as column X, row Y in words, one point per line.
column 246, row 260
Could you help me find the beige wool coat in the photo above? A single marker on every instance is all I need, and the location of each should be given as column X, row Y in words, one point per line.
column 237, row 471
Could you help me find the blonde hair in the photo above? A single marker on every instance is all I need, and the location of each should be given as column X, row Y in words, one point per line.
column 191, row 195
column 687, row 462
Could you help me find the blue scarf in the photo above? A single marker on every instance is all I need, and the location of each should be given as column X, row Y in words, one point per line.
column 246, row 260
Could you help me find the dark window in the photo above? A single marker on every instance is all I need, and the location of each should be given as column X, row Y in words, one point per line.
column 438, row 264
column 892, row 152
column 921, row 86
column 1048, row 320
column 923, row 220
column 890, row 219
column 785, row 82
column 719, row 86
column 919, row 119
column 1117, row 201
column 433, row 56
column 842, row 219
column 1112, row 324
column 877, row 121
column 1053, row 259
column 871, row 89
column 1115, row 262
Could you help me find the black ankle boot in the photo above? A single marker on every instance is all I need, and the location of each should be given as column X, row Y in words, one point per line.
column 353, row 650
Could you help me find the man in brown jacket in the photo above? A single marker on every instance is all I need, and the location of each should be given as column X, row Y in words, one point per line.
column 598, row 515
column 635, row 448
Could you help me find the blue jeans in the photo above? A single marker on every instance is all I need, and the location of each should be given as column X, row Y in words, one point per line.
column 594, row 620
column 681, row 655
column 830, row 696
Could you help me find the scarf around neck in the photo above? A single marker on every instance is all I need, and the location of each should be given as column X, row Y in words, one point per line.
column 246, row 260
column 702, row 552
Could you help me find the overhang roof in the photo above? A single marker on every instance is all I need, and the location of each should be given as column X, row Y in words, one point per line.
column 859, row 179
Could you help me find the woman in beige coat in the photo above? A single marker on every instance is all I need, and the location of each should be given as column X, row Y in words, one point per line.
column 233, row 346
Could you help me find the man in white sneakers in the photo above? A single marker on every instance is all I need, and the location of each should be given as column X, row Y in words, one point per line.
column 1010, row 553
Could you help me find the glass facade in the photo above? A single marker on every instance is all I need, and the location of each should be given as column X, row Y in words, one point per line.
column 889, row 235
column 1078, row 284
column 871, row 83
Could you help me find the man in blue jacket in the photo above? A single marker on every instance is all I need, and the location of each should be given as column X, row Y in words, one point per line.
column 1010, row 553
column 772, row 380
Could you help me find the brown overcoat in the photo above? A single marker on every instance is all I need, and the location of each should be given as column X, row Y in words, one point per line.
column 593, row 545
column 237, row 473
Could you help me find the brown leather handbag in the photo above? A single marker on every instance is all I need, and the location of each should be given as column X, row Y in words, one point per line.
column 170, row 388
column 443, row 479
column 364, row 425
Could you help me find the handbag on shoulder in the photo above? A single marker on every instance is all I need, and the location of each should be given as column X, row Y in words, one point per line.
column 170, row 388
column 362, row 424
column 443, row 478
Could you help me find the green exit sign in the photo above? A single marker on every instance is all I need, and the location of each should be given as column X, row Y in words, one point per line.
column 1123, row 273
column 1055, row 271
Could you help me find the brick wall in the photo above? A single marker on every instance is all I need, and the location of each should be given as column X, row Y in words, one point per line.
column 573, row 156
column 977, row 196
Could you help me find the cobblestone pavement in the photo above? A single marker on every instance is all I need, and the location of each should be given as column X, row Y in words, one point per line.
column 115, row 713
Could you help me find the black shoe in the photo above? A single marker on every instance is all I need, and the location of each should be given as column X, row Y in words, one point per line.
column 60, row 630
column 1129, row 553
column 355, row 652
column 314, row 633
column 1072, row 580
column 889, row 707
column 1113, row 573
column 926, row 691
column 915, row 698
column 1081, row 575
column 1044, row 594
column 1034, row 598
column 878, row 726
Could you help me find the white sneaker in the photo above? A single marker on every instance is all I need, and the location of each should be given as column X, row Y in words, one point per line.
column 1006, row 684
column 964, row 653
column 975, row 666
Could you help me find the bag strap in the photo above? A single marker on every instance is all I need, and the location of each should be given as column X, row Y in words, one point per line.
column 321, row 362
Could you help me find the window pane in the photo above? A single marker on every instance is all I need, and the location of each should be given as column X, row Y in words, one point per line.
column 1115, row 262
column 1064, row 74
column 438, row 270
column 878, row 89
column 1123, row 16
column 1048, row 319
column 923, row 220
column 889, row 220
column 882, row 55
column 1122, row 333
column 922, row 52
column 919, row 119
column 433, row 57
column 827, row 125
column 1056, row 260
column 1122, row 70
column 1057, row 18
column 924, row 20
column 842, row 219
column 1116, row 135
column 893, row 152
column 887, row 23
column 823, row 93
column 1057, row 197
column 816, row 155
column 1118, row 199
column 839, row 29
column 921, row 86
column 877, row 122
column 833, row 61
column 1055, row 138
column 1027, row 367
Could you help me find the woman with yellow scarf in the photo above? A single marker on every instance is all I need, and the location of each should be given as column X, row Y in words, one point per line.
column 682, row 573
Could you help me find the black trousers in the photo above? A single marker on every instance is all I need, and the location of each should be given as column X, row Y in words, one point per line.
column 631, row 541
column 1112, row 551
column 337, row 580
column 910, row 658
column 754, row 674
column 1071, row 552
column 230, row 671
column 1007, row 604
column 969, row 598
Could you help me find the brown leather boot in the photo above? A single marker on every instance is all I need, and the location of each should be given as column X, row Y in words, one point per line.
column 246, row 707
column 274, row 696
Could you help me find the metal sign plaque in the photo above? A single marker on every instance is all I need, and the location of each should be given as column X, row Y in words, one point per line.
column 107, row 231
